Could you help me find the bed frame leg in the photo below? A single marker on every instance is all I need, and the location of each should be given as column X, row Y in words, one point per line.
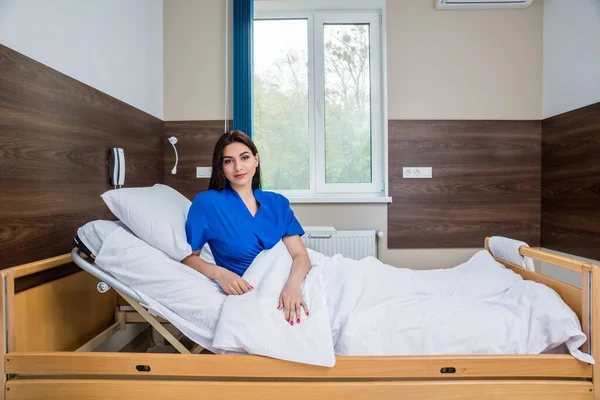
column 121, row 319
column 155, row 324
column 590, row 285
column 3, row 325
column 7, row 339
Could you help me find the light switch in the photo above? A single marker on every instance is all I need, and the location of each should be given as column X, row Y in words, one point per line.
column 203, row 172
column 417, row 172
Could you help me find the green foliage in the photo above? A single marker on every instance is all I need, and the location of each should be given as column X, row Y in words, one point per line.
column 281, row 125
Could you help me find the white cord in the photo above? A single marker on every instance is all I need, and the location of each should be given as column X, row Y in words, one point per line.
column 173, row 141
column 226, row 62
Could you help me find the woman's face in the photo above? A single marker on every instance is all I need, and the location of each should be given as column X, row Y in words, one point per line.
column 239, row 165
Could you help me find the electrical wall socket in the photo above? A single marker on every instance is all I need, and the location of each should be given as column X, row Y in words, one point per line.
column 203, row 172
column 417, row 172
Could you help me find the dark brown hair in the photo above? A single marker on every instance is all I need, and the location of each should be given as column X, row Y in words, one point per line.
column 217, row 179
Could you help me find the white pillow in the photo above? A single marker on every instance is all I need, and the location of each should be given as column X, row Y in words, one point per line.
column 156, row 214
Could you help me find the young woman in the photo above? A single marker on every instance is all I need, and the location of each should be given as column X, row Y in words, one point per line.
column 238, row 220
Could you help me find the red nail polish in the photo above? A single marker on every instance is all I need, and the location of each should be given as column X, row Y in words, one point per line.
column 307, row 313
column 298, row 320
column 292, row 322
column 287, row 319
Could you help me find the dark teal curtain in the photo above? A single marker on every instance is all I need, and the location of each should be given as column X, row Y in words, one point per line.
column 243, row 20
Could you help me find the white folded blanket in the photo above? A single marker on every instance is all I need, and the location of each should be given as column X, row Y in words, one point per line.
column 508, row 250
column 251, row 323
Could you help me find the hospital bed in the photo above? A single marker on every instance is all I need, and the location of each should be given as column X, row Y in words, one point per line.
column 51, row 331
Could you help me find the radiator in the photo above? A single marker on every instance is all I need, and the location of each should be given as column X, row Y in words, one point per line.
column 355, row 244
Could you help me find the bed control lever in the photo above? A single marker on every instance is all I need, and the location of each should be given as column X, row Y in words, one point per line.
column 103, row 287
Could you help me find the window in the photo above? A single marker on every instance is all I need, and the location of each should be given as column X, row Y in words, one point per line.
column 318, row 120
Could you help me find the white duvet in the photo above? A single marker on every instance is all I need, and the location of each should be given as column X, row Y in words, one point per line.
column 356, row 307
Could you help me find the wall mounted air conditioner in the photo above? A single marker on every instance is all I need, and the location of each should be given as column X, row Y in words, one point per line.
column 473, row 4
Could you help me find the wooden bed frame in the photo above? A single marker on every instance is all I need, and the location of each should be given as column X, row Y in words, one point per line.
column 45, row 326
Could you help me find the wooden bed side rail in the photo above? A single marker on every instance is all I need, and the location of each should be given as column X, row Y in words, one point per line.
column 116, row 389
column 548, row 257
column 37, row 266
column 479, row 366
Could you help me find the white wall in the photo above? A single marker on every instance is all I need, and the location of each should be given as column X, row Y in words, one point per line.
column 571, row 55
column 114, row 46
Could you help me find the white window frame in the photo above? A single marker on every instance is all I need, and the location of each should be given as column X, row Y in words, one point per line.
column 318, row 13
column 320, row 20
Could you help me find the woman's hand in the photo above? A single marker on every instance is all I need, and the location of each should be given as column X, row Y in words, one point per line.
column 231, row 282
column 291, row 301
column 290, row 298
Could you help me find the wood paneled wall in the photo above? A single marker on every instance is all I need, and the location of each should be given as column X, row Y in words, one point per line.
column 55, row 136
column 571, row 182
column 195, row 144
column 486, row 181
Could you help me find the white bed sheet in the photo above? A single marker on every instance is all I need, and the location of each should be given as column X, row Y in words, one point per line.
column 357, row 307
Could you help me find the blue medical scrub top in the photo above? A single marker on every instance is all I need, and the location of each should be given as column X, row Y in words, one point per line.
column 221, row 219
